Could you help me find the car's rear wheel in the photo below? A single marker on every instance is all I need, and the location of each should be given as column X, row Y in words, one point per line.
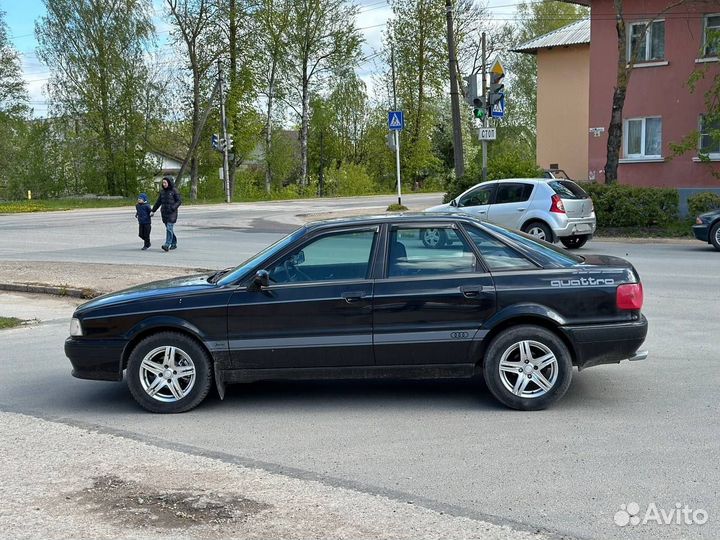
column 433, row 238
column 539, row 230
column 575, row 242
column 169, row 372
column 715, row 235
column 527, row 367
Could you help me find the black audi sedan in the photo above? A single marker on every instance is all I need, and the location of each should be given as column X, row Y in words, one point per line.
column 365, row 298
column 707, row 228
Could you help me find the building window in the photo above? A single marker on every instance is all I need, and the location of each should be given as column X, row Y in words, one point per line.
column 710, row 137
column 643, row 137
column 651, row 46
column 711, row 40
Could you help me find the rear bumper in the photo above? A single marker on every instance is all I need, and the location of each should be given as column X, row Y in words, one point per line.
column 701, row 232
column 576, row 227
column 98, row 360
column 608, row 343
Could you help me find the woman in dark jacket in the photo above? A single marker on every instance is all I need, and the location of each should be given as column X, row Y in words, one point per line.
column 168, row 201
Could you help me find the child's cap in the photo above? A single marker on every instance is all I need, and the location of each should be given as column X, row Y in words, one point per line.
column 142, row 197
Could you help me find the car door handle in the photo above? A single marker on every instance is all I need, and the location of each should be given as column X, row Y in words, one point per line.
column 353, row 296
column 482, row 211
column 521, row 209
column 471, row 291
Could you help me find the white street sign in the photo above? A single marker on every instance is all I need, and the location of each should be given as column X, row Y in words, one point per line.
column 487, row 134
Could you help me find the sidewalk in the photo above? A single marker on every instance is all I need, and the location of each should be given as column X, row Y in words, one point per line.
column 84, row 483
column 81, row 280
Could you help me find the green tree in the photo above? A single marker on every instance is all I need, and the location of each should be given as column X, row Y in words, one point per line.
column 96, row 54
column 322, row 41
column 14, row 109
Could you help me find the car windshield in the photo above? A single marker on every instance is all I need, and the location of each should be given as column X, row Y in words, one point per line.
column 568, row 189
column 546, row 254
column 240, row 271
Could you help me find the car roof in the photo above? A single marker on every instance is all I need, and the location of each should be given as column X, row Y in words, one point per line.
column 401, row 217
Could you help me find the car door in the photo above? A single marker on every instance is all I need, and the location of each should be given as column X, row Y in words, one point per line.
column 429, row 303
column 512, row 200
column 477, row 200
column 316, row 310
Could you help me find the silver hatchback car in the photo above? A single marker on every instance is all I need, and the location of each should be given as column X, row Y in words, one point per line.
column 547, row 208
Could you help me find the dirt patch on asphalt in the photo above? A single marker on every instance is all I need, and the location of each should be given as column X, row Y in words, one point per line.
column 131, row 504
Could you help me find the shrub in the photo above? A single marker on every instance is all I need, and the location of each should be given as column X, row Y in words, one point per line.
column 629, row 206
column 703, row 202
column 348, row 180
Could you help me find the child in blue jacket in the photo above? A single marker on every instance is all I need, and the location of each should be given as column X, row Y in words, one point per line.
column 142, row 213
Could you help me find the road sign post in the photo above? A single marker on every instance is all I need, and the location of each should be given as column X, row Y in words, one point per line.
column 396, row 121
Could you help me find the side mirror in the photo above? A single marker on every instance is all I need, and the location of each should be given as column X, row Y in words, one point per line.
column 262, row 278
column 454, row 202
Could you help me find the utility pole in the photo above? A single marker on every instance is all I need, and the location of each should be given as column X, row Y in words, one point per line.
column 321, row 176
column 223, row 122
column 485, row 119
column 397, row 132
column 454, row 95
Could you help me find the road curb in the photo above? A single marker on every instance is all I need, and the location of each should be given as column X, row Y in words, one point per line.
column 57, row 290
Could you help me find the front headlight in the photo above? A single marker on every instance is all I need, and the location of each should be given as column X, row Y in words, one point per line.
column 75, row 328
column 698, row 221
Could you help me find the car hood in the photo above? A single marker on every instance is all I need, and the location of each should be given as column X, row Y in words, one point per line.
column 447, row 207
column 182, row 284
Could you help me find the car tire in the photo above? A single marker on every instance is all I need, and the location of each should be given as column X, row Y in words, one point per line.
column 539, row 230
column 515, row 361
column 715, row 235
column 169, row 372
column 575, row 242
column 433, row 238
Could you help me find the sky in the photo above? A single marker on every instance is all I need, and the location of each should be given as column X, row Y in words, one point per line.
column 22, row 14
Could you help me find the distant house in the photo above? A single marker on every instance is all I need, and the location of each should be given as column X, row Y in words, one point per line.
column 163, row 164
column 659, row 108
column 563, row 90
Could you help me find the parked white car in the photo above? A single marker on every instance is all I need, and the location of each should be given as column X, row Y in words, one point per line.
column 547, row 208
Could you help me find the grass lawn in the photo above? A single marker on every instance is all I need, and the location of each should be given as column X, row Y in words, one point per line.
column 9, row 322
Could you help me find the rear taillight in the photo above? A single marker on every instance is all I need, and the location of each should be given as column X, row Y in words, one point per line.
column 557, row 205
column 630, row 296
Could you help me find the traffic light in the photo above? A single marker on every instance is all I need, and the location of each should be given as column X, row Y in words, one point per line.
column 215, row 141
column 230, row 143
column 472, row 92
column 479, row 108
column 497, row 88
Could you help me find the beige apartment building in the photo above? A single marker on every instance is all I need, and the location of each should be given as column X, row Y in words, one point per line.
column 563, row 86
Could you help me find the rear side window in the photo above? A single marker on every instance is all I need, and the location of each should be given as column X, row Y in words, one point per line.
column 497, row 255
column 568, row 189
column 513, row 193
column 429, row 251
column 546, row 254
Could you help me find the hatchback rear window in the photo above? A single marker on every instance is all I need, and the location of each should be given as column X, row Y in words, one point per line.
column 568, row 189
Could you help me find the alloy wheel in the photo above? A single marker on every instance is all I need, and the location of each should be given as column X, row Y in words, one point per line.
column 528, row 369
column 167, row 374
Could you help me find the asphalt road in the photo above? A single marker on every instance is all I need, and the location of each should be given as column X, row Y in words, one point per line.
column 645, row 432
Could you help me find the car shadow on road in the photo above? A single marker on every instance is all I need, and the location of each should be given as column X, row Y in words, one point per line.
column 365, row 394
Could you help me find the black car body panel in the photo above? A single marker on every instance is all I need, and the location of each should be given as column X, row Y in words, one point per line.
column 705, row 222
column 340, row 323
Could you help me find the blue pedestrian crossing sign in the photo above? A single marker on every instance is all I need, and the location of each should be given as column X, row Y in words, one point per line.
column 498, row 110
column 396, row 120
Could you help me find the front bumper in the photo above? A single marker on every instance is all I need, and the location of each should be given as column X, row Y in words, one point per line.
column 97, row 359
column 701, row 232
column 608, row 343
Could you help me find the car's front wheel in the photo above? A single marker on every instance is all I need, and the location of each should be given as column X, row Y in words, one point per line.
column 527, row 367
column 169, row 372
column 575, row 242
column 715, row 235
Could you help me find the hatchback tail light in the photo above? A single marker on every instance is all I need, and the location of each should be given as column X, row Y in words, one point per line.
column 557, row 205
column 630, row 296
